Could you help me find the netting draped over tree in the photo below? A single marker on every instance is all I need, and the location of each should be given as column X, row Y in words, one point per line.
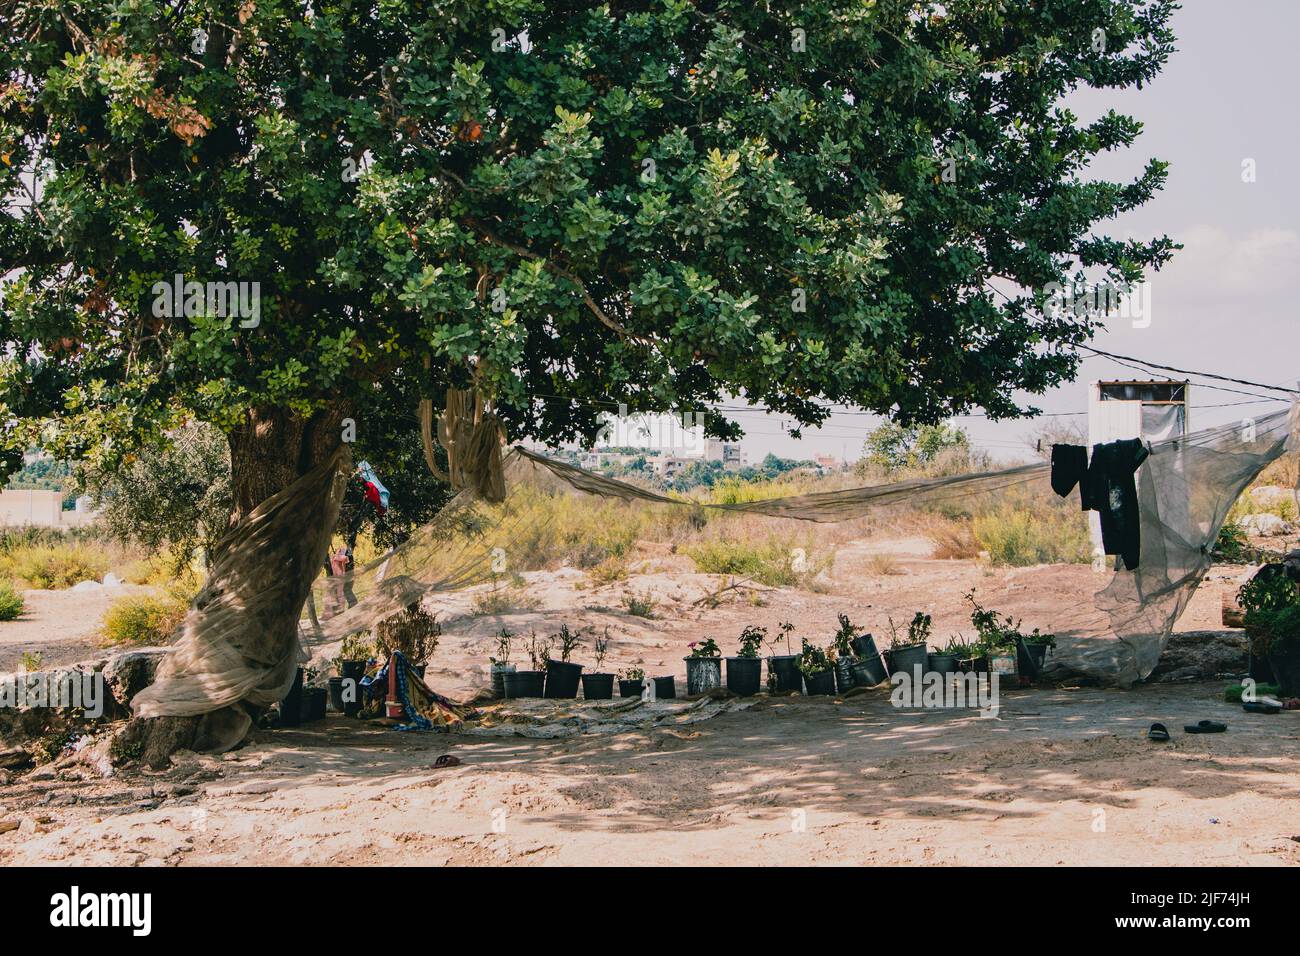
column 1185, row 487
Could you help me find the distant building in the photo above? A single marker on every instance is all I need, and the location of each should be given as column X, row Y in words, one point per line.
column 668, row 468
column 1154, row 410
column 731, row 456
column 44, row 509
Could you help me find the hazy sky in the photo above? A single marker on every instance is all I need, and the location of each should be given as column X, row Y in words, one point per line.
column 1227, row 302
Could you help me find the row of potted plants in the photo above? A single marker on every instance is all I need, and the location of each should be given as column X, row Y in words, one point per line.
column 559, row 678
column 999, row 646
column 850, row 660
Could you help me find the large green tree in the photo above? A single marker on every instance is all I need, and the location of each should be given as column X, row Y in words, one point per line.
column 569, row 204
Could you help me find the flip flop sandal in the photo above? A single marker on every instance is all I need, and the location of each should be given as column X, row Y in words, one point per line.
column 1260, row 707
column 1158, row 732
column 446, row 760
column 1206, row 727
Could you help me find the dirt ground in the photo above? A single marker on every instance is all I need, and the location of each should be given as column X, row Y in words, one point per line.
column 1064, row 775
column 62, row 626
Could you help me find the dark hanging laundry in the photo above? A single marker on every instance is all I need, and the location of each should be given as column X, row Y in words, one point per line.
column 1069, row 465
column 1110, row 490
column 1106, row 486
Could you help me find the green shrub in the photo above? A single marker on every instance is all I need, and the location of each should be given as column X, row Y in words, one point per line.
column 142, row 620
column 639, row 605
column 1231, row 545
column 772, row 561
column 1019, row 538
column 11, row 602
column 51, row 566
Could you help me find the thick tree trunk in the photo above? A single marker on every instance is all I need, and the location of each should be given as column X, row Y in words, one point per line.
column 274, row 447
column 269, row 451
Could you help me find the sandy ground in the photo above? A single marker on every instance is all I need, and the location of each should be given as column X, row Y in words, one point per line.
column 62, row 626
column 1063, row 776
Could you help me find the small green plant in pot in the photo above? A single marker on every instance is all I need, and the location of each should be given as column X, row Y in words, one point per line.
column 500, row 662
column 907, row 650
column 817, row 669
column 703, row 667
column 630, row 682
column 783, row 669
column 599, row 685
column 355, row 656
column 413, row 633
column 947, row 661
column 999, row 641
column 1032, row 650
column 562, row 676
column 530, row 683
column 745, row 670
column 842, row 645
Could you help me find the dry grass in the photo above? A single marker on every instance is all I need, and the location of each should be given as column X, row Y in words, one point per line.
column 953, row 538
column 52, row 566
column 143, row 620
column 511, row 598
column 1285, row 472
column 883, row 564
column 608, row 572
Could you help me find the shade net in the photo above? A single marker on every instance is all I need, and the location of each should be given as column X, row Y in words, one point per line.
column 1114, row 633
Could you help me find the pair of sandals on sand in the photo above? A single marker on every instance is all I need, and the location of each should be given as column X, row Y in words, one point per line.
column 1160, row 733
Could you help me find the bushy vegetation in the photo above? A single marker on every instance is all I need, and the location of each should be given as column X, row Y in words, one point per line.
column 11, row 602
column 414, row 632
column 774, row 561
column 143, row 620
column 172, row 498
column 1231, row 545
column 1284, row 472
column 1018, row 537
column 51, row 566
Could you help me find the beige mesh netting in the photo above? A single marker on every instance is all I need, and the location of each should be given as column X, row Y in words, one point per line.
column 1186, row 488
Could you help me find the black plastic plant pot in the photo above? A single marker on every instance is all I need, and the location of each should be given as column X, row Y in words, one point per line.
column 498, row 678
column 843, row 675
column 785, row 668
column 1030, row 658
column 1284, row 658
column 562, row 680
column 291, row 706
column 864, row 646
column 524, row 684
column 702, row 674
column 820, row 683
column 943, row 663
column 744, row 675
column 869, row 672
column 979, row 665
column 907, row 657
column 630, row 688
column 665, row 688
column 313, row 703
column 352, row 671
column 598, row 686
column 336, row 694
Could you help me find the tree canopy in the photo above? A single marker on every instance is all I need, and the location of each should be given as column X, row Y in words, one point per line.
column 571, row 204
